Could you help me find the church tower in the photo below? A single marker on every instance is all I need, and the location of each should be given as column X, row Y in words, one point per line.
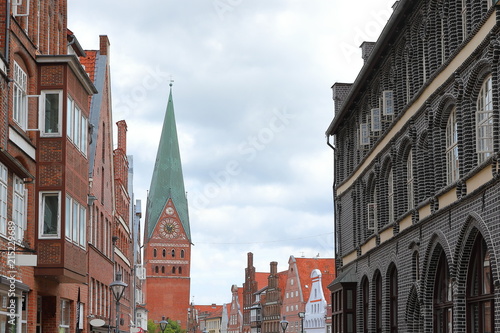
column 167, row 236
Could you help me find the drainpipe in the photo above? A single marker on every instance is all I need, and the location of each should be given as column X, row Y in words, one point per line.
column 7, row 33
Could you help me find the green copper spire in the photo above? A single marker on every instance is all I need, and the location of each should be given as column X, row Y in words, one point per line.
column 167, row 182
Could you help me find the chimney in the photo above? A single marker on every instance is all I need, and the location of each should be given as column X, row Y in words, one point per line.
column 122, row 135
column 250, row 259
column 104, row 45
column 274, row 267
column 366, row 50
column 340, row 92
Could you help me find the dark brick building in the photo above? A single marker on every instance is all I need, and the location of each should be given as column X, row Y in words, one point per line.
column 416, row 146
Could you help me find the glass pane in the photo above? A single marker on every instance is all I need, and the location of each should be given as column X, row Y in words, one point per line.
column 51, row 113
column 486, row 273
column 50, row 214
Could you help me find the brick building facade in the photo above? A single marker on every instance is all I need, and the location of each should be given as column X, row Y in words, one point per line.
column 50, row 204
column 416, row 147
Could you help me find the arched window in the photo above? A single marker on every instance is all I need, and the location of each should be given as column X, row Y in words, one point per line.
column 443, row 302
column 154, row 253
column 409, row 180
column 156, row 269
column 378, row 302
column 180, row 270
column 452, row 166
column 480, row 307
column 173, row 253
column 366, row 301
column 393, row 294
column 182, row 253
column 164, row 253
column 484, row 121
column 173, row 270
column 163, row 269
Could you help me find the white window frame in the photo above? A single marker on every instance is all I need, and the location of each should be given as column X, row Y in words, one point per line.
column 16, row 315
column 76, row 222
column 364, row 134
column 19, row 208
column 452, row 162
column 65, row 311
column 484, row 121
column 376, row 117
column 388, row 103
column 20, row 97
column 4, row 185
column 43, row 196
column 42, row 107
column 409, row 180
column 77, row 126
column 68, row 220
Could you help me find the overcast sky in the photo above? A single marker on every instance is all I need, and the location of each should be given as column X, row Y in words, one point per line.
column 252, row 101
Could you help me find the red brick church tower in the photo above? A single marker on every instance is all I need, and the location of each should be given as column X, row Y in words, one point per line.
column 167, row 236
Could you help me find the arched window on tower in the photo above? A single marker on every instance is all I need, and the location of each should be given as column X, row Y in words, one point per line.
column 156, row 269
column 173, row 253
column 480, row 291
column 164, row 253
column 182, row 253
column 154, row 253
column 163, row 269
column 173, row 270
column 180, row 270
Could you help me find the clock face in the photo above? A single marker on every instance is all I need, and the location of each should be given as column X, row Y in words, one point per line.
column 169, row 210
column 169, row 228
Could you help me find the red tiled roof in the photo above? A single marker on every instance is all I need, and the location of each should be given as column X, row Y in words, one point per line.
column 282, row 278
column 306, row 265
column 261, row 279
column 89, row 63
column 208, row 309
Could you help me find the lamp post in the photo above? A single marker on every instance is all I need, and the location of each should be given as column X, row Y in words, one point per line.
column 302, row 316
column 163, row 325
column 284, row 324
column 118, row 287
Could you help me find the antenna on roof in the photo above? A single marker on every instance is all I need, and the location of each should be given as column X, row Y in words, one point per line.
column 171, row 80
column 302, row 254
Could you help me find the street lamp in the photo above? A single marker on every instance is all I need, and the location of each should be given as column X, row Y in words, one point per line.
column 163, row 325
column 284, row 324
column 118, row 287
column 302, row 316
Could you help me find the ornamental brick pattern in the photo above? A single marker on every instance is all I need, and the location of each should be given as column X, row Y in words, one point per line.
column 435, row 57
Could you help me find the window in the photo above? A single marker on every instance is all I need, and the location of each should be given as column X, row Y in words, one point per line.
column 65, row 316
column 164, row 253
column 364, row 134
column 480, row 292
column 452, row 164
column 49, row 215
column 366, row 302
column 154, row 253
column 409, row 180
column 484, row 122
column 51, row 113
column 19, row 208
column 443, row 302
column 182, row 254
column 378, row 302
column 388, row 103
column 393, row 294
column 376, row 123
column 76, row 223
column 13, row 313
column 390, row 195
column 20, row 103
column 173, row 253
column 4, row 177
column 416, row 266
column 77, row 126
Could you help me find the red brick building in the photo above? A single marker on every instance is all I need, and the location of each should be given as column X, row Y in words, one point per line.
column 50, row 202
column 254, row 281
column 235, row 323
column 167, row 239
